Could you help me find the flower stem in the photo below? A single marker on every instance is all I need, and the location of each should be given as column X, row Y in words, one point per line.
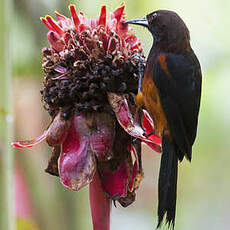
column 100, row 205
column 6, row 133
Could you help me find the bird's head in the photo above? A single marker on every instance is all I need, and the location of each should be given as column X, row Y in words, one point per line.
column 169, row 31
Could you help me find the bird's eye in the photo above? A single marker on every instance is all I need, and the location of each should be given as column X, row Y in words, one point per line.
column 154, row 15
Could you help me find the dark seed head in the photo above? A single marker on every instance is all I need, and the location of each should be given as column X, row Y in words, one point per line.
column 46, row 52
column 122, row 88
column 116, row 73
column 93, row 86
column 108, row 59
column 104, row 73
column 106, row 80
column 108, row 68
column 89, row 79
column 64, row 84
column 102, row 86
column 73, row 92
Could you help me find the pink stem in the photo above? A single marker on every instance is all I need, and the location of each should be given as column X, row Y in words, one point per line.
column 100, row 205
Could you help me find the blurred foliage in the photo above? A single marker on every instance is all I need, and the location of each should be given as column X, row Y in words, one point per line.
column 23, row 224
column 6, row 120
column 203, row 190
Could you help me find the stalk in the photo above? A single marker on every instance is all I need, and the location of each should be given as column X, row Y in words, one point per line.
column 100, row 205
column 6, row 118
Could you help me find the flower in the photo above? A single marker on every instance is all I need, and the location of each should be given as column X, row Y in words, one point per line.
column 91, row 77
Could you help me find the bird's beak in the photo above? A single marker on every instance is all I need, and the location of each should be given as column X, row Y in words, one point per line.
column 138, row 21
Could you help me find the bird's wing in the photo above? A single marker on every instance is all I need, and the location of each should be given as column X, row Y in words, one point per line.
column 178, row 80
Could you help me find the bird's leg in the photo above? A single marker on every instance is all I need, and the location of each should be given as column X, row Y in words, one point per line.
column 141, row 65
column 148, row 135
column 134, row 140
column 141, row 73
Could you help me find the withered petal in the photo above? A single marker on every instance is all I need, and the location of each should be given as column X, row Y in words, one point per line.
column 115, row 184
column 57, row 130
column 148, row 125
column 30, row 143
column 55, row 41
column 129, row 199
column 77, row 164
column 102, row 136
column 134, row 174
column 52, row 167
column 54, row 135
column 120, row 106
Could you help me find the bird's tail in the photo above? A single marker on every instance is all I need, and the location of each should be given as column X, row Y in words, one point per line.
column 167, row 185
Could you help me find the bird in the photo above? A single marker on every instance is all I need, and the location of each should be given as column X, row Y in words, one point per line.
column 170, row 91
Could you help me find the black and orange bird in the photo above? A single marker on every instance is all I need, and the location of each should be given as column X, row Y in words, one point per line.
column 170, row 92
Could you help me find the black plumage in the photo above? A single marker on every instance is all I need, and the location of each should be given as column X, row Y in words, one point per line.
column 171, row 91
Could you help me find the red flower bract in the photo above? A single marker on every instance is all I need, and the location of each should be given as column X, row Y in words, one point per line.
column 91, row 78
column 60, row 33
